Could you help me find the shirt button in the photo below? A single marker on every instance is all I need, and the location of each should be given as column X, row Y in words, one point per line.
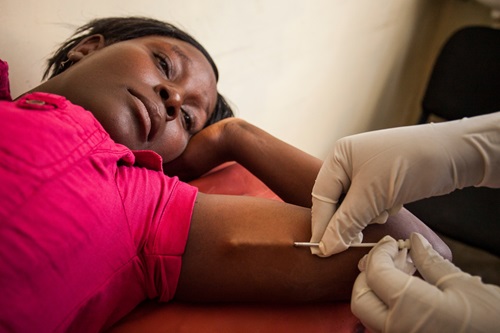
column 41, row 101
column 34, row 102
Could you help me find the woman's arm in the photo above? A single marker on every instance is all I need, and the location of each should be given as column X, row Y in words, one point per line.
column 241, row 249
column 286, row 170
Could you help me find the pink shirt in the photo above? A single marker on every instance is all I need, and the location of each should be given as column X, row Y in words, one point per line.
column 88, row 228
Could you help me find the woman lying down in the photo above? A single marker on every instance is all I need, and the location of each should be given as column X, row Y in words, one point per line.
column 92, row 219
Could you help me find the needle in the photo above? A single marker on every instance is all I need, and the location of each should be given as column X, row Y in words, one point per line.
column 401, row 244
column 310, row 244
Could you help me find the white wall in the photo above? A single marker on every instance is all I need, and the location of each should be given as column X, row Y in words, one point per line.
column 308, row 71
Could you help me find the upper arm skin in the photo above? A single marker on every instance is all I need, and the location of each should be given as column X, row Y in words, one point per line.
column 241, row 249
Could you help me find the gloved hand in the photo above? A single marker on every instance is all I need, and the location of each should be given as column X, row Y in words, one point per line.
column 382, row 170
column 386, row 299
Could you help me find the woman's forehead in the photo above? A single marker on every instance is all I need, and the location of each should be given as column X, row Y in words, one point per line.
column 180, row 47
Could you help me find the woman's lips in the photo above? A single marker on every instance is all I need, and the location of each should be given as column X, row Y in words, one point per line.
column 149, row 114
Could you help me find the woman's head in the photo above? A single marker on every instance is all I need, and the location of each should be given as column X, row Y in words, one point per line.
column 142, row 50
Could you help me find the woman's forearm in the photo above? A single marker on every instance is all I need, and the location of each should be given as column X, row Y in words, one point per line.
column 286, row 170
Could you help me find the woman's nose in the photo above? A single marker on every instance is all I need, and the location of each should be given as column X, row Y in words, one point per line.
column 172, row 100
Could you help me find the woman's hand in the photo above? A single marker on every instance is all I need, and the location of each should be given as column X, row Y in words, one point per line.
column 206, row 149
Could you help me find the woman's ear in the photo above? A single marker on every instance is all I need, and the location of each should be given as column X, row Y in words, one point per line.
column 86, row 47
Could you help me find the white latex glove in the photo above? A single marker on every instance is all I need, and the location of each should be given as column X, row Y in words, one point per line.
column 386, row 299
column 382, row 170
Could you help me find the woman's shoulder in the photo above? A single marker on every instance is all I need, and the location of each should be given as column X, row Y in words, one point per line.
column 4, row 81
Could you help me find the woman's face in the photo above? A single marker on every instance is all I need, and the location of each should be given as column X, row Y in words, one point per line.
column 150, row 93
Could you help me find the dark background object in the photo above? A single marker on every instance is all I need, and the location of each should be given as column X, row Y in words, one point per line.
column 465, row 82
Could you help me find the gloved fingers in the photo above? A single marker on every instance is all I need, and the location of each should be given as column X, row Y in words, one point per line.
column 347, row 224
column 403, row 262
column 380, row 219
column 338, row 235
column 331, row 182
column 429, row 263
column 332, row 241
column 394, row 210
column 362, row 263
column 321, row 214
column 366, row 305
column 383, row 276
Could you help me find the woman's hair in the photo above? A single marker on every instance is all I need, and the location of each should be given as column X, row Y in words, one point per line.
column 118, row 29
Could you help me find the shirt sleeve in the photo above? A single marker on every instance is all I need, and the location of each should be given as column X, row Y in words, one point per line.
column 4, row 81
column 159, row 209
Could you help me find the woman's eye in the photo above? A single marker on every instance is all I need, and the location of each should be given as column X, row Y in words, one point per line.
column 187, row 120
column 164, row 65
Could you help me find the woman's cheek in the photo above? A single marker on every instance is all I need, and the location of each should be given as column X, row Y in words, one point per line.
column 173, row 146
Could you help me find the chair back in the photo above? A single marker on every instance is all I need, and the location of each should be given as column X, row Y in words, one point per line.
column 465, row 80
